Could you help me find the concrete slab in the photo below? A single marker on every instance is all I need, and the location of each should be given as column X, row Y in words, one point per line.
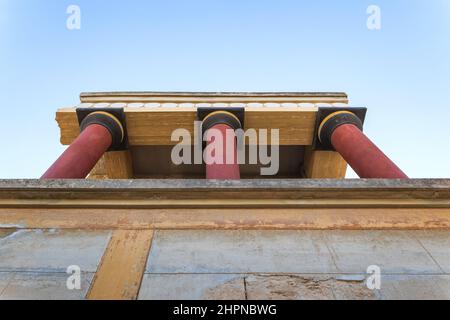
column 305, row 287
column 52, row 251
column 192, row 287
column 203, row 251
column 422, row 287
column 393, row 251
column 44, row 286
column 437, row 243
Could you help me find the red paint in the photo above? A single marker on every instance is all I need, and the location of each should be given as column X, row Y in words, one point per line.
column 363, row 155
column 82, row 155
column 222, row 171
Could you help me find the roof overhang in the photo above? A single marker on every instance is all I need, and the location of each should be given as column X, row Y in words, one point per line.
column 152, row 117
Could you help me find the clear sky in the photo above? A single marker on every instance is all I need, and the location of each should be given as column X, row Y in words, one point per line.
column 401, row 72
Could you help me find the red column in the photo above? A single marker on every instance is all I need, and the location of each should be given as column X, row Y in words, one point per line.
column 222, row 171
column 363, row 155
column 82, row 155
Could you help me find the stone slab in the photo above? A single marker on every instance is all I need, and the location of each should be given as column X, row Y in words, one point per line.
column 437, row 243
column 418, row 287
column 138, row 185
column 192, row 287
column 395, row 252
column 52, row 250
column 292, row 287
column 5, row 278
column 227, row 251
column 44, row 286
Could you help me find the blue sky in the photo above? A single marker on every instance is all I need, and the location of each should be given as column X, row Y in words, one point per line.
column 401, row 72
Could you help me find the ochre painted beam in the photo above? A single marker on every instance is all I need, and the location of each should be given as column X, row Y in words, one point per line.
column 99, row 171
column 324, row 165
column 224, row 219
column 120, row 273
column 119, row 165
column 113, row 165
column 155, row 126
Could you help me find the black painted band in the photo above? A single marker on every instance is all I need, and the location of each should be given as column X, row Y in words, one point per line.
column 109, row 122
column 221, row 117
column 329, row 125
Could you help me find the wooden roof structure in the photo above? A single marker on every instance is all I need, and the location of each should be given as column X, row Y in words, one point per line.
column 151, row 117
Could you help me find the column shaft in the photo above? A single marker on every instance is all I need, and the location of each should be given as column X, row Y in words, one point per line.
column 223, row 170
column 82, row 155
column 363, row 155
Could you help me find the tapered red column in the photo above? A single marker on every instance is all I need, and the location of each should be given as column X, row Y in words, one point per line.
column 343, row 130
column 363, row 155
column 99, row 131
column 221, row 156
column 222, row 165
column 82, row 155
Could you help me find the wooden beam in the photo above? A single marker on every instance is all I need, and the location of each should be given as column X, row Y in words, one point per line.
column 99, row 171
column 211, row 97
column 148, row 126
column 119, row 165
column 113, row 165
column 324, row 165
column 120, row 273
column 224, row 219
